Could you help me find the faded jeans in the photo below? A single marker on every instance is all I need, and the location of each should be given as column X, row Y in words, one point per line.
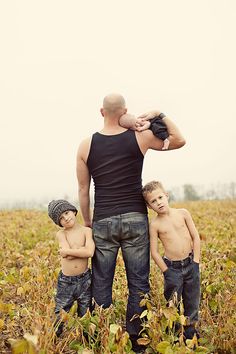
column 70, row 289
column 185, row 281
column 130, row 233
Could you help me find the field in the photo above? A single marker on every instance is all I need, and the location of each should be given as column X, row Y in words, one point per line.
column 30, row 264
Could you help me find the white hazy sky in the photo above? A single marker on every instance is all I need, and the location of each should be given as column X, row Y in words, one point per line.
column 60, row 58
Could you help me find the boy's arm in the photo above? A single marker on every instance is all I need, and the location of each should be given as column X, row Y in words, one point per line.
column 154, row 248
column 194, row 234
column 85, row 251
column 63, row 244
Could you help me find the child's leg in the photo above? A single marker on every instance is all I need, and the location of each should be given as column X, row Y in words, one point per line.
column 173, row 283
column 191, row 298
column 84, row 294
column 64, row 300
column 173, row 286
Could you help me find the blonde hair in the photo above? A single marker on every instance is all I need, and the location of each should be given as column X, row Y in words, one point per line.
column 151, row 186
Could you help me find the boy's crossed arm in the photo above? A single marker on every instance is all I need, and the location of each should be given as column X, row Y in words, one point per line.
column 63, row 244
column 85, row 251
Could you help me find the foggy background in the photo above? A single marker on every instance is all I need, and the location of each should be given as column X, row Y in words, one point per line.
column 59, row 59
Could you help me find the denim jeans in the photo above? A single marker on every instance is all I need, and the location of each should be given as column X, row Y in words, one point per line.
column 185, row 281
column 130, row 233
column 70, row 289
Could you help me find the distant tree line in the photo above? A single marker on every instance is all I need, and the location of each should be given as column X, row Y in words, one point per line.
column 183, row 193
column 202, row 192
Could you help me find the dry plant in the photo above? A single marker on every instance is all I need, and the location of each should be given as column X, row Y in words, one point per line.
column 30, row 265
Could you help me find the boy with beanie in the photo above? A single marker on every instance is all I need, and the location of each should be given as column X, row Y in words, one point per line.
column 75, row 247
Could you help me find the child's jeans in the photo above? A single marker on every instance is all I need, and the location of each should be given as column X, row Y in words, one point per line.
column 183, row 277
column 70, row 289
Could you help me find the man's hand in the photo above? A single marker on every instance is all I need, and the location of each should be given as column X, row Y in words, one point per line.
column 88, row 223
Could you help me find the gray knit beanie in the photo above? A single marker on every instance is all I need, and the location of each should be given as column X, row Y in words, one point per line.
column 57, row 207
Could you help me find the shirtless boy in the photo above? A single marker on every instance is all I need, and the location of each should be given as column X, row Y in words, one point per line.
column 180, row 263
column 75, row 247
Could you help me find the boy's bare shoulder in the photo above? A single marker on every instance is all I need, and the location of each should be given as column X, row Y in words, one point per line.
column 183, row 212
column 60, row 234
column 154, row 222
column 86, row 230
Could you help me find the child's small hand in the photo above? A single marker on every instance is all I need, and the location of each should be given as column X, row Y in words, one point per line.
column 63, row 253
column 143, row 124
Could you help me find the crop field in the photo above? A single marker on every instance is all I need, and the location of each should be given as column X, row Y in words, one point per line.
column 28, row 273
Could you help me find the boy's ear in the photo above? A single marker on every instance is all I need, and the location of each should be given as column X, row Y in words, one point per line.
column 167, row 194
column 148, row 206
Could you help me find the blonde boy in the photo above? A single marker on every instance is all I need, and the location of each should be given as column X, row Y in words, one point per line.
column 180, row 263
column 75, row 247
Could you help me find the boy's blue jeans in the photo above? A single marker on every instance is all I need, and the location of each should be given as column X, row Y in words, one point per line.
column 70, row 289
column 130, row 233
column 183, row 277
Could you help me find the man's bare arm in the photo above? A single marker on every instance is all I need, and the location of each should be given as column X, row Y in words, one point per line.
column 194, row 234
column 175, row 138
column 84, row 178
column 146, row 139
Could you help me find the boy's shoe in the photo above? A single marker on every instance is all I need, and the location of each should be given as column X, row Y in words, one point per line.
column 139, row 349
column 59, row 330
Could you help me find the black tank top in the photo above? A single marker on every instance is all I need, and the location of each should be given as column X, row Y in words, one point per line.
column 115, row 162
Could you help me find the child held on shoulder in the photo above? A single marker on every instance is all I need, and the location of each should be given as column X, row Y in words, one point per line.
column 156, row 125
column 180, row 263
column 76, row 246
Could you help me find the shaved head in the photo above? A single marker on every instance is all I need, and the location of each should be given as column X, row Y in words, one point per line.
column 113, row 102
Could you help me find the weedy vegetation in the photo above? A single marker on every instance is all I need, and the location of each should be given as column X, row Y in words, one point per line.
column 30, row 265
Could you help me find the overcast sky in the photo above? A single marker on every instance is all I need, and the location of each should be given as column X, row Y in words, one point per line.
column 60, row 58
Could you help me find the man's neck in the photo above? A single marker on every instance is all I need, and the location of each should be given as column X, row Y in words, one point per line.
column 112, row 131
column 112, row 127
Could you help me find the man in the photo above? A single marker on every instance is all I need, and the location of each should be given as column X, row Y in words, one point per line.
column 114, row 158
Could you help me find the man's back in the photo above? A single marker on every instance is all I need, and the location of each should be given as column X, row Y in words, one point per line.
column 115, row 162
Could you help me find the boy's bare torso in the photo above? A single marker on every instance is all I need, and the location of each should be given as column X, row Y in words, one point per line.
column 73, row 238
column 174, row 234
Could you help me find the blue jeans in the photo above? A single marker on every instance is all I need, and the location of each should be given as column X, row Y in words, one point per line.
column 70, row 289
column 130, row 233
column 184, row 279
